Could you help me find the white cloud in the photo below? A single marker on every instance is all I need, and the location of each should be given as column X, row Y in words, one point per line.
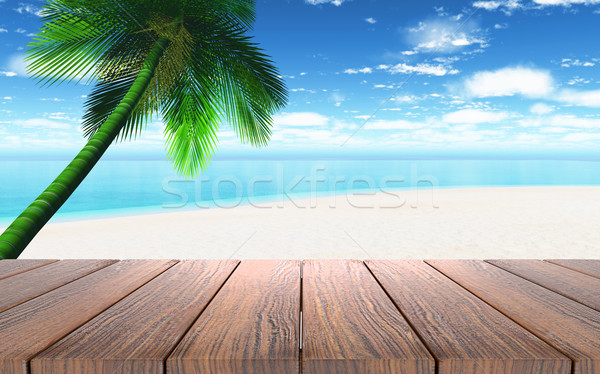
column 17, row 64
column 555, row 130
column 421, row 69
column 28, row 8
column 581, row 137
column 8, row 74
column 394, row 125
column 3, row 30
column 303, row 90
column 573, row 121
column 317, row 2
column 55, row 99
column 580, row 98
column 20, row 31
column 474, row 116
column 42, row 123
column 62, row 116
column 507, row 6
column 337, row 98
column 487, row 5
column 561, row 121
column 461, row 42
column 355, row 71
column 404, row 99
column 565, row 2
column 371, row 20
column 440, row 11
column 578, row 81
column 510, row 81
column 527, row 82
column 429, row 136
column 445, row 35
column 300, row 137
column 464, row 127
column 568, row 62
column 301, row 119
column 541, row 108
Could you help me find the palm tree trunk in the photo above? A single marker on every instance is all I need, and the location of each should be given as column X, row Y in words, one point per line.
column 20, row 233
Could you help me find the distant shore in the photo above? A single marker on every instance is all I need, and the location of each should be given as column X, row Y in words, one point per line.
column 514, row 222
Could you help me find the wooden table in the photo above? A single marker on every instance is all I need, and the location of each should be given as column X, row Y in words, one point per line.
column 289, row 316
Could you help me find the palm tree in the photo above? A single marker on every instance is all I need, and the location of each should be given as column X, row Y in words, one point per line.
column 188, row 60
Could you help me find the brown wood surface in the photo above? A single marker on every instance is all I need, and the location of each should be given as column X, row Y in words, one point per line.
column 569, row 283
column 567, row 325
column 9, row 268
column 36, row 282
column 589, row 267
column 29, row 328
column 465, row 334
column 251, row 326
column 137, row 334
column 351, row 326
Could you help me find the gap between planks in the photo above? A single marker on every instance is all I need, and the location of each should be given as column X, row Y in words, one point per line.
column 412, row 326
column 506, row 315
column 164, row 363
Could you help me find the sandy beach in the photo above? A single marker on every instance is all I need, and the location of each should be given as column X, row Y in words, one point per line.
column 520, row 222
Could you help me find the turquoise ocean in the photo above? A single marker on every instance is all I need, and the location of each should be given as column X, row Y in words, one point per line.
column 116, row 188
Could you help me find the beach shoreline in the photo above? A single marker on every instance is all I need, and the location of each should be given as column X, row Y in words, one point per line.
column 496, row 222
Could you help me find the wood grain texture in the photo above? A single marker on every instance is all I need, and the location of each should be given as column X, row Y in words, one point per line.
column 569, row 283
column 589, row 267
column 567, row 325
column 11, row 267
column 29, row 328
column 251, row 326
column 351, row 326
column 466, row 335
column 137, row 334
column 38, row 281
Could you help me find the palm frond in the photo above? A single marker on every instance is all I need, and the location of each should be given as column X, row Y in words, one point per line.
column 241, row 12
column 250, row 89
column 191, row 123
column 119, row 68
column 210, row 71
column 71, row 42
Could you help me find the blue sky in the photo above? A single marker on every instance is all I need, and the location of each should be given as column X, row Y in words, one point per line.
column 502, row 78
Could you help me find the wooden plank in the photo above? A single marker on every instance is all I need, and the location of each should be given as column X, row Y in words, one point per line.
column 569, row 283
column 572, row 328
column 28, row 285
column 465, row 334
column 8, row 268
column 29, row 328
column 137, row 334
column 589, row 267
column 351, row 326
column 251, row 326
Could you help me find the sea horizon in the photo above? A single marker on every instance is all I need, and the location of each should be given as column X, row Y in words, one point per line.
column 117, row 188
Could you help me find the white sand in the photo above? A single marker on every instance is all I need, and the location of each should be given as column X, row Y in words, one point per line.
column 531, row 222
